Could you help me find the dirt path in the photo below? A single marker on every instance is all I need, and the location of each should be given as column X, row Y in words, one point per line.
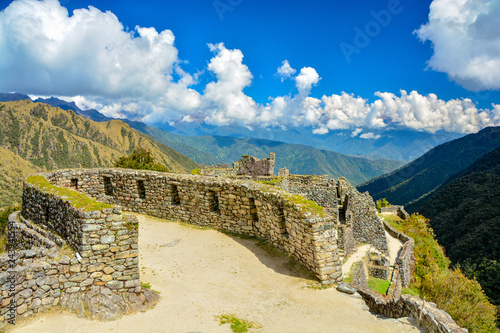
column 394, row 246
column 202, row 274
column 356, row 256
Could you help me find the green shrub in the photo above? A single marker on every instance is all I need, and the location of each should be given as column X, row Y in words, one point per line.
column 462, row 298
column 4, row 216
column 195, row 172
column 140, row 159
column 450, row 289
column 382, row 203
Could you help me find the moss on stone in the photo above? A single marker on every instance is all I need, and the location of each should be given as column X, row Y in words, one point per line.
column 308, row 204
column 76, row 199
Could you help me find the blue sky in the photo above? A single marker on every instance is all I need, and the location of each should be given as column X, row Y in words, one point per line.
column 368, row 49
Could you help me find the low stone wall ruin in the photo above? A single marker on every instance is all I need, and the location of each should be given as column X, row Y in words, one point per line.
column 362, row 213
column 427, row 314
column 100, row 268
column 238, row 206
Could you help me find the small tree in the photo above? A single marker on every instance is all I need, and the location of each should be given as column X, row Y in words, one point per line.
column 140, row 159
column 382, row 203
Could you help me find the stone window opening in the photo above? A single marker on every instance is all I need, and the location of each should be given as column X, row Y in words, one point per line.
column 252, row 208
column 213, row 201
column 174, row 194
column 74, row 183
column 282, row 222
column 141, row 189
column 108, row 186
column 47, row 214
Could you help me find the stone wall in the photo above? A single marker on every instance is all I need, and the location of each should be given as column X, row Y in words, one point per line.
column 44, row 275
column 243, row 207
column 405, row 262
column 106, row 240
column 359, row 275
column 252, row 166
column 311, row 180
column 427, row 314
column 346, row 240
column 45, row 278
column 323, row 196
column 397, row 210
column 361, row 212
column 396, row 305
column 219, row 172
column 102, row 263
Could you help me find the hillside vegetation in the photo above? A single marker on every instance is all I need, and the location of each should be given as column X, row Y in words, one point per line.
column 41, row 137
column 421, row 177
column 14, row 170
column 299, row 159
column 465, row 215
column 449, row 288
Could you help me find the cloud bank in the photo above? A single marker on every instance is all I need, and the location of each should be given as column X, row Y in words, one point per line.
column 90, row 58
column 466, row 38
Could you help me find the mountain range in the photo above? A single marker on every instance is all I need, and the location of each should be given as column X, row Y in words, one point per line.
column 209, row 150
column 418, row 179
column 387, row 143
column 464, row 213
column 392, row 142
column 36, row 136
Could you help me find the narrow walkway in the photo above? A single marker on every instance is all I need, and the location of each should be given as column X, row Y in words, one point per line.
column 356, row 256
column 394, row 246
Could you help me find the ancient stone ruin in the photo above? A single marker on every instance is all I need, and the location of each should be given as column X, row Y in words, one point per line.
column 318, row 221
column 247, row 166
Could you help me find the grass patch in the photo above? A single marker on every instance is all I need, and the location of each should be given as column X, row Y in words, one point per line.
column 3, row 244
column 78, row 200
column 195, row 172
column 306, row 205
column 237, row 325
column 378, row 285
column 269, row 182
column 310, row 205
column 146, row 285
column 410, row 291
column 130, row 224
column 318, row 286
column 392, row 219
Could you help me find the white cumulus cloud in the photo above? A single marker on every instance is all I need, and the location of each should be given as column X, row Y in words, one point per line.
column 466, row 39
column 369, row 135
column 306, row 79
column 356, row 132
column 89, row 57
column 285, row 71
column 224, row 98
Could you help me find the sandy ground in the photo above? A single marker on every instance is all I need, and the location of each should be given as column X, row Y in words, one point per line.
column 356, row 256
column 394, row 245
column 202, row 274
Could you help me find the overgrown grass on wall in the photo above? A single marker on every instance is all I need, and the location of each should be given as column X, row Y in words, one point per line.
column 78, row 200
column 449, row 288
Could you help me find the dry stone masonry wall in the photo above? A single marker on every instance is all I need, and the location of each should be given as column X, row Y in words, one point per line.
column 100, row 269
column 238, row 206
